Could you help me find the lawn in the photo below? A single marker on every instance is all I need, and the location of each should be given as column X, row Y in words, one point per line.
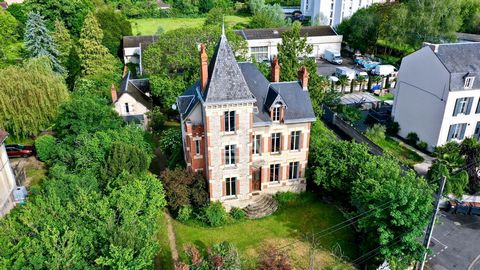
column 163, row 261
column 149, row 26
column 286, row 227
column 398, row 150
column 387, row 96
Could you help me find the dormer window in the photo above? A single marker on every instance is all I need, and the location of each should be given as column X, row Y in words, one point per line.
column 276, row 114
column 469, row 82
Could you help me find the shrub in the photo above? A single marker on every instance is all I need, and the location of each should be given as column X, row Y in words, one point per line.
column 185, row 213
column 422, row 145
column 376, row 132
column 286, row 197
column 393, row 128
column 214, row 214
column 157, row 120
column 45, row 147
column 412, row 138
column 350, row 114
column 274, row 259
column 237, row 213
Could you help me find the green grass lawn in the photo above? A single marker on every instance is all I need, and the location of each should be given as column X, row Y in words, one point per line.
column 149, row 26
column 163, row 261
column 398, row 150
column 286, row 226
column 387, row 96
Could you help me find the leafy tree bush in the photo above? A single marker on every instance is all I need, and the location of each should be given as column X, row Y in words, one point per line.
column 44, row 145
column 156, row 120
column 269, row 16
column 114, row 27
column 237, row 213
column 422, row 145
column 393, row 128
column 8, row 35
column 412, row 138
column 185, row 213
column 214, row 214
column 84, row 114
column 285, row 198
column 171, row 145
column 273, row 258
column 350, row 114
column 184, row 188
column 376, row 132
column 220, row 256
column 40, row 92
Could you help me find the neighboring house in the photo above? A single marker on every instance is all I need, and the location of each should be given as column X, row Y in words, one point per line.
column 133, row 102
column 438, row 93
column 133, row 47
column 263, row 43
column 466, row 37
column 162, row 5
column 7, row 179
column 245, row 134
column 332, row 12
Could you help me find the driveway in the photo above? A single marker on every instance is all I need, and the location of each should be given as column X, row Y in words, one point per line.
column 455, row 243
column 326, row 68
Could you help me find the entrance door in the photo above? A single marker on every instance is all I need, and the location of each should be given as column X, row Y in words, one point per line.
column 256, row 180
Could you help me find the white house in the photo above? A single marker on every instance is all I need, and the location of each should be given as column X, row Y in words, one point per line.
column 7, row 179
column 438, row 93
column 133, row 102
column 332, row 12
column 133, row 46
column 263, row 43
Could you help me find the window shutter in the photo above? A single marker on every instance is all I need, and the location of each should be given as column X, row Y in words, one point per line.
column 290, row 142
column 223, row 156
column 237, row 186
column 264, row 144
column 270, row 144
column 282, row 141
column 237, row 121
column 282, row 171
column 300, row 141
column 224, row 187
column 222, row 122
column 450, row 132
column 457, row 107
column 237, row 155
column 288, row 171
column 462, row 133
column 469, row 105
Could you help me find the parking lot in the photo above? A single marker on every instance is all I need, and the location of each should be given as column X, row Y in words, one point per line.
column 326, row 68
column 455, row 243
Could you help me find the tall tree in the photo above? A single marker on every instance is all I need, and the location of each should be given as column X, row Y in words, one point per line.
column 29, row 97
column 63, row 41
column 114, row 26
column 95, row 58
column 470, row 14
column 8, row 35
column 268, row 16
column 39, row 43
column 292, row 48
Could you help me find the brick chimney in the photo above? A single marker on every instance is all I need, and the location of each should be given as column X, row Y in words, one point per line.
column 303, row 77
column 275, row 70
column 114, row 93
column 203, row 67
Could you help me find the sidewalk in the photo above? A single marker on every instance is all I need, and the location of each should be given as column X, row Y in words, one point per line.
column 420, row 168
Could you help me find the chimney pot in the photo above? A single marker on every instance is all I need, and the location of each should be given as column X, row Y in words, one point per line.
column 114, row 93
column 303, row 77
column 275, row 70
column 203, row 67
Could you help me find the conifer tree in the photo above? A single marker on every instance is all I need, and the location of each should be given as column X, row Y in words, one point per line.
column 39, row 43
column 95, row 58
column 64, row 42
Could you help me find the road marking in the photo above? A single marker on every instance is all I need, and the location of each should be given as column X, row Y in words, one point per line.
column 439, row 241
column 474, row 263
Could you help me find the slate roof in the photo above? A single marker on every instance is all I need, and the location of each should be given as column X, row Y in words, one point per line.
column 135, row 41
column 272, row 33
column 248, row 84
column 468, row 37
column 138, row 118
column 137, row 88
column 3, row 136
column 226, row 82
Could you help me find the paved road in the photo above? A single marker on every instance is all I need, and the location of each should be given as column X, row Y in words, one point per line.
column 327, row 69
column 455, row 243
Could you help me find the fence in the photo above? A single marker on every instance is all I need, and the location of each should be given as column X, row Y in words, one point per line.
column 332, row 117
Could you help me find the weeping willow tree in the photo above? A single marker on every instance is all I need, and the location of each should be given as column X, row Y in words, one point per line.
column 29, row 97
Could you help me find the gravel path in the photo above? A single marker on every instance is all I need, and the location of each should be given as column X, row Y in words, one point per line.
column 171, row 237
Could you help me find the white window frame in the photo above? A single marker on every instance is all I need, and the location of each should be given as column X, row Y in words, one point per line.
column 463, row 105
column 230, row 121
column 469, row 82
column 230, row 152
column 293, row 170
column 276, row 114
column 457, row 131
column 295, row 140
column 274, row 173
column 276, row 136
column 257, row 144
column 260, row 53
column 231, row 185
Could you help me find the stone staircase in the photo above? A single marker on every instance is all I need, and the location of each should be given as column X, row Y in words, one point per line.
column 262, row 206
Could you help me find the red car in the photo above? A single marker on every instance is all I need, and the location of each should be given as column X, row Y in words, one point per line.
column 18, row 150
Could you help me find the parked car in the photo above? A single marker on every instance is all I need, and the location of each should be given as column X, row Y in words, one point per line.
column 350, row 73
column 19, row 150
column 384, row 70
column 333, row 56
column 361, row 73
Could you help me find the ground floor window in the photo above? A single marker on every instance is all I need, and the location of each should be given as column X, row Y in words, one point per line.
column 457, row 131
column 274, row 172
column 259, row 53
column 293, row 170
column 231, row 184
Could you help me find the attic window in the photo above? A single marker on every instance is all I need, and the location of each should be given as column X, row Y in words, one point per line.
column 276, row 114
column 469, row 82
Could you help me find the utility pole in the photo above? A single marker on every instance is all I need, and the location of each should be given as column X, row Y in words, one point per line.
column 429, row 232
